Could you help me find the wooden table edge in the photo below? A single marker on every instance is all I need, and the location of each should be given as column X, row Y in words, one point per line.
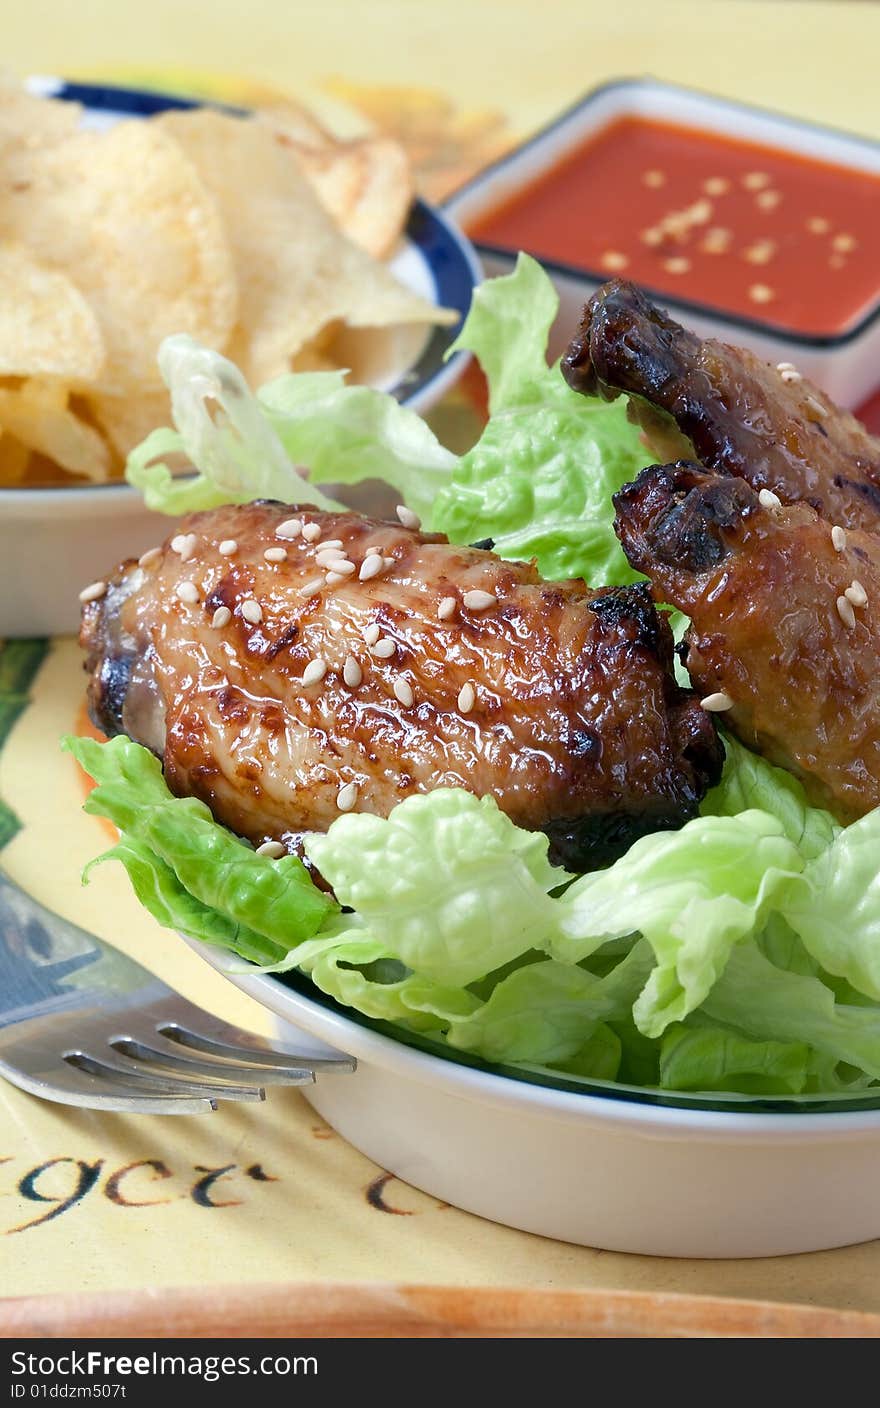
column 334, row 1310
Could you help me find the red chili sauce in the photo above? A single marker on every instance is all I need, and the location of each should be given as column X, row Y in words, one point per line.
column 751, row 230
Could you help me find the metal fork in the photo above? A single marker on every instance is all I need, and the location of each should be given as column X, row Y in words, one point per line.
column 83, row 1024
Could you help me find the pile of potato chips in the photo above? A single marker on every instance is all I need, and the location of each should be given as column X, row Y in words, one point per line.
column 262, row 237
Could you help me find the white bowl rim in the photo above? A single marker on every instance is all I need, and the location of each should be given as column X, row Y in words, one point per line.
column 470, row 1083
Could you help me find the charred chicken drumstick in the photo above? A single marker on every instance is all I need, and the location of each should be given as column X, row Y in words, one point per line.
column 784, row 621
column 287, row 665
column 726, row 408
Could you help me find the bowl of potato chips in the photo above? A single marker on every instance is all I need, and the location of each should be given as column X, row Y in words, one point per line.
column 128, row 216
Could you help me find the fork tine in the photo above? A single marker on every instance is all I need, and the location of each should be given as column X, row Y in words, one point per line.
column 233, row 1044
column 83, row 1024
column 71, row 1086
column 135, row 1077
column 156, row 1056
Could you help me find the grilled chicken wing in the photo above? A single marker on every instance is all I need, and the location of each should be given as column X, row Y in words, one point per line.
column 283, row 677
column 784, row 621
column 726, row 408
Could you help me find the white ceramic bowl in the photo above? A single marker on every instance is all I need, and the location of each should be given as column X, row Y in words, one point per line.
column 54, row 541
column 608, row 1167
column 847, row 365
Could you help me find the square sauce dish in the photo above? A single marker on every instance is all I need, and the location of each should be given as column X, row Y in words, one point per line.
column 750, row 226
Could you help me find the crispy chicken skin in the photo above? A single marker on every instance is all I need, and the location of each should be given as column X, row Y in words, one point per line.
column 726, row 408
column 558, row 701
column 762, row 587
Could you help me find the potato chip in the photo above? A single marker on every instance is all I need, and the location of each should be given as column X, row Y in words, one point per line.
column 28, row 122
column 333, row 173
column 127, row 420
column 297, row 123
column 365, row 185
column 36, row 413
column 445, row 145
column 259, row 237
column 296, row 271
column 125, row 216
column 13, row 460
column 46, row 326
column 372, row 358
column 386, row 192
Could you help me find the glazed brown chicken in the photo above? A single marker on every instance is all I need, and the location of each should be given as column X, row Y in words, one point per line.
column 726, row 408
column 284, row 676
column 784, row 621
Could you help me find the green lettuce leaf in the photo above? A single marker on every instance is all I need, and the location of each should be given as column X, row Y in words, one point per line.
column 767, row 1003
column 454, row 888
column 539, row 481
column 161, row 893
column 750, row 781
column 457, row 910
column 708, row 1058
column 546, row 1012
column 246, row 447
column 346, row 434
column 222, row 431
column 275, row 898
column 599, row 1058
column 639, row 1054
column 692, row 893
column 507, row 329
column 352, row 972
column 836, row 909
column 778, row 942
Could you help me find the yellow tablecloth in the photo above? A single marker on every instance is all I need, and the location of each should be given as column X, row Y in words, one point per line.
column 257, row 1194
column 517, row 57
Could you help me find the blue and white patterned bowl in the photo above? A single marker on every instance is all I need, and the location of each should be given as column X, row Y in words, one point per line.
column 436, row 259
column 84, row 529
